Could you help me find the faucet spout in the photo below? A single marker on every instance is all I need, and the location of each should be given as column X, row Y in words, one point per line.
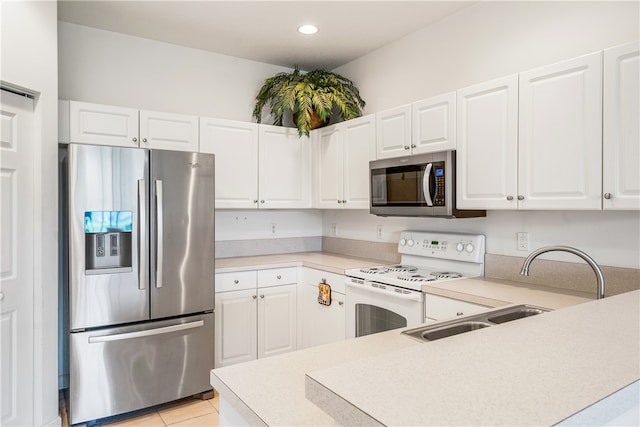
column 594, row 266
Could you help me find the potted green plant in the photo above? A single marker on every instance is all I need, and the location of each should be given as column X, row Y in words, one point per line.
column 312, row 98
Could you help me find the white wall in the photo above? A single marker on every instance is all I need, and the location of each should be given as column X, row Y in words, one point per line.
column 117, row 69
column 254, row 224
column 29, row 61
column 486, row 41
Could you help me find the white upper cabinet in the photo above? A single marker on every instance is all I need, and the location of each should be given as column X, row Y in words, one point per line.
column 560, row 135
column 621, row 143
column 393, row 132
column 434, row 124
column 235, row 145
column 168, row 131
column 487, row 154
column 342, row 153
column 284, row 169
column 86, row 123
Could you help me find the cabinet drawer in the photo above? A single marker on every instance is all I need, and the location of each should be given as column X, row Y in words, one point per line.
column 438, row 308
column 314, row 277
column 277, row 276
column 236, row 281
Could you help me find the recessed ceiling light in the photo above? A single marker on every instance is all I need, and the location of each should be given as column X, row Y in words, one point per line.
column 308, row 29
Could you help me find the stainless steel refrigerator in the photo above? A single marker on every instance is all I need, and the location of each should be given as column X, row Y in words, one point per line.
column 140, row 275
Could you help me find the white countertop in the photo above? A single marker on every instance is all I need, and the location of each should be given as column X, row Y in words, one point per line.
column 271, row 391
column 534, row 371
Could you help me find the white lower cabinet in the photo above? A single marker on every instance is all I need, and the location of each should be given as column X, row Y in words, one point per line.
column 439, row 308
column 255, row 315
column 317, row 323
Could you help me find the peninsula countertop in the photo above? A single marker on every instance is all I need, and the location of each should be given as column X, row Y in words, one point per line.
column 535, row 371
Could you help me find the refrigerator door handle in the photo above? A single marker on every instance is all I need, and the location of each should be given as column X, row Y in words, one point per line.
column 159, row 234
column 142, row 235
column 146, row 333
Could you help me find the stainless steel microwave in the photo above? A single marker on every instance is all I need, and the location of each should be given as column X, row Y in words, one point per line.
column 420, row 185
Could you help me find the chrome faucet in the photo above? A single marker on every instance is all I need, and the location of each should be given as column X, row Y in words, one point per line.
column 578, row 252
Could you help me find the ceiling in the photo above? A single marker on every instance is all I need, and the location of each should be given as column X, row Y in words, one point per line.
column 265, row 31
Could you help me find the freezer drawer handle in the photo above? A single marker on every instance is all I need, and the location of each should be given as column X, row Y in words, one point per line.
column 147, row 333
column 159, row 234
column 142, row 236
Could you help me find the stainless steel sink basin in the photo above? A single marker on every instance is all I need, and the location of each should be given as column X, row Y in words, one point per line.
column 473, row 323
column 458, row 328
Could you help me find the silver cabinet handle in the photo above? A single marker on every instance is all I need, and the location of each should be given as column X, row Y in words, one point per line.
column 254, row 296
column 459, row 313
column 261, row 201
column 339, row 201
column 142, row 235
column 607, row 196
column 509, row 198
column 159, row 234
column 134, row 139
column 147, row 333
column 144, row 140
column 261, row 296
column 255, row 201
column 236, row 281
column 520, row 197
column 278, row 277
column 340, row 302
column 413, row 145
column 344, row 201
column 406, row 147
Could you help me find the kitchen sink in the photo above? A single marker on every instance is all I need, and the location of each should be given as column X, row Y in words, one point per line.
column 473, row 323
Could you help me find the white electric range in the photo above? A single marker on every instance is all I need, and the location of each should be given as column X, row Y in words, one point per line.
column 389, row 296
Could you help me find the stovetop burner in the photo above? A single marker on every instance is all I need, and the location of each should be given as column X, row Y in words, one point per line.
column 415, row 278
column 401, row 268
column 374, row 270
column 446, row 275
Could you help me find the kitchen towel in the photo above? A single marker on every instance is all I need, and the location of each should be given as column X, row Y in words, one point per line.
column 324, row 293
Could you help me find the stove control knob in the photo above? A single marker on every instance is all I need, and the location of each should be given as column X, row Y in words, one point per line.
column 470, row 247
column 460, row 247
column 403, row 241
column 410, row 243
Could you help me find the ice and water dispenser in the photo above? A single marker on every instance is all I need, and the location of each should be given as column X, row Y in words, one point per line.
column 108, row 241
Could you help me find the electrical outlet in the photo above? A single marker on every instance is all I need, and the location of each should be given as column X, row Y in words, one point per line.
column 523, row 241
column 334, row 229
column 273, row 228
column 379, row 231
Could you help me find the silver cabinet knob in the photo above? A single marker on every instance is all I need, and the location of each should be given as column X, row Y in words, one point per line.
column 406, row 147
column 278, row 277
column 459, row 313
column 344, row 201
column 339, row 201
column 144, row 140
column 340, row 302
column 134, row 139
column 236, row 281
column 520, row 197
column 607, row 196
column 254, row 296
column 255, row 201
column 261, row 201
column 509, row 197
column 261, row 296
column 413, row 145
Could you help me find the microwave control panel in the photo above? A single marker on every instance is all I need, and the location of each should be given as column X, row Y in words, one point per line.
column 439, row 175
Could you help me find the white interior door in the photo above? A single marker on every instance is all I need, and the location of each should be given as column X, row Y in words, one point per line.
column 16, row 255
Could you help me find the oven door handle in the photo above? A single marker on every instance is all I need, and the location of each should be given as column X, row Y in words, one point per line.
column 413, row 296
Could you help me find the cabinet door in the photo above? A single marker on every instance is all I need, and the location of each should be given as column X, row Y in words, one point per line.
column 560, row 135
column 102, row 124
column 358, row 144
column 329, row 168
column 393, row 132
column 168, row 131
column 434, row 124
column 621, row 144
column 284, row 168
column 276, row 320
column 235, row 145
column 235, row 327
column 487, row 154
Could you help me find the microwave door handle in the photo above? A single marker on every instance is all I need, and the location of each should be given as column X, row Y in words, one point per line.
column 425, row 184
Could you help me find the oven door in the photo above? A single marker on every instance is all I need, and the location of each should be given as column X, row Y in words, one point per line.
column 372, row 309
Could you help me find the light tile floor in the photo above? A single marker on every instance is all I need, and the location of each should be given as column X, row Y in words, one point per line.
column 181, row 413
